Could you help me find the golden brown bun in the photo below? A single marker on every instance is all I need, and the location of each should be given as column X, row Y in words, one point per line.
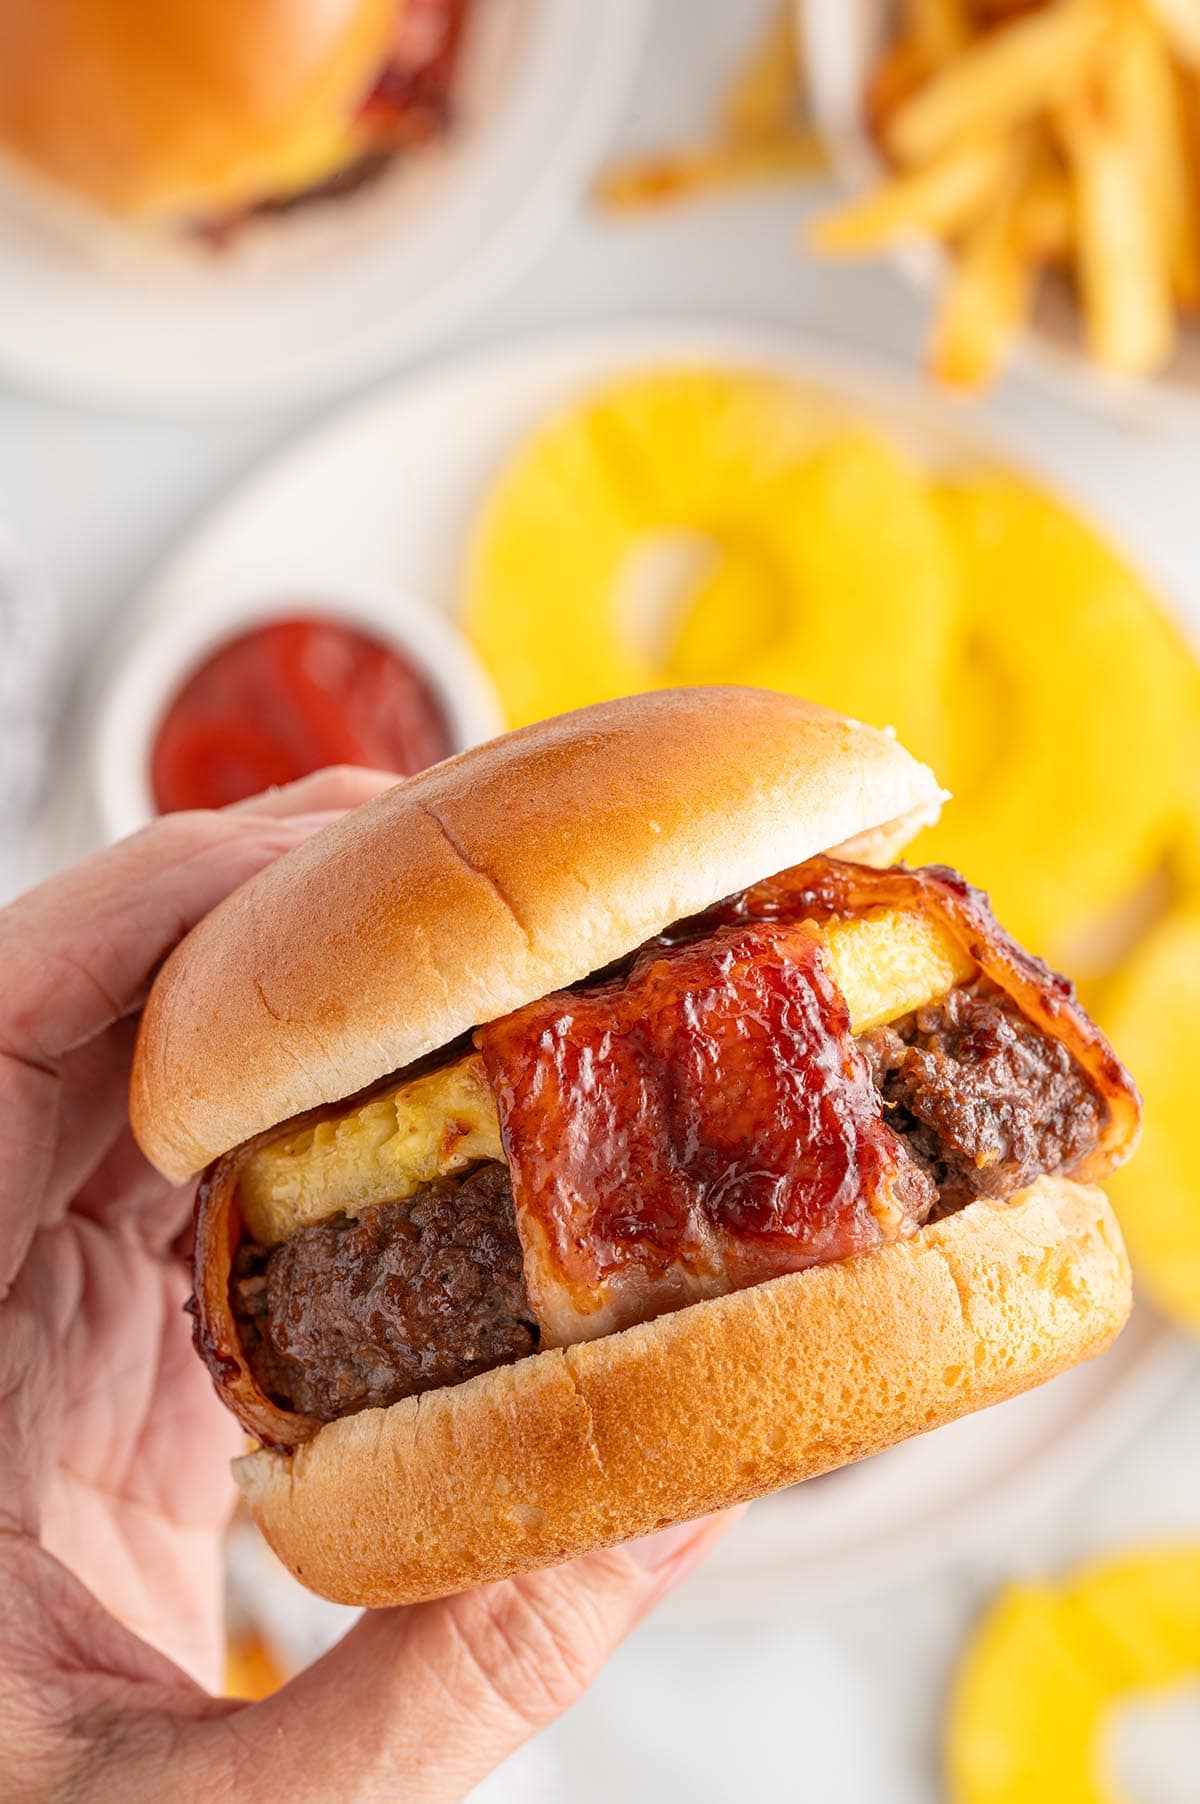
column 597, row 1444
column 184, row 107
column 486, row 882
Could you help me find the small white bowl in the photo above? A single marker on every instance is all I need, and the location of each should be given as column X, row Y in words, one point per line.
column 842, row 43
column 164, row 645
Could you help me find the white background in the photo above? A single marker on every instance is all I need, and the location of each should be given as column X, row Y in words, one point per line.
column 841, row 1702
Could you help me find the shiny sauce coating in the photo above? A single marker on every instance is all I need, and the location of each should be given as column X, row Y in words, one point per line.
column 702, row 1124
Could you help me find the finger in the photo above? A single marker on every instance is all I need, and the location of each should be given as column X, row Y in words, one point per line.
column 77, row 954
column 78, row 951
column 425, row 1702
column 341, row 786
column 93, row 1096
column 125, row 1189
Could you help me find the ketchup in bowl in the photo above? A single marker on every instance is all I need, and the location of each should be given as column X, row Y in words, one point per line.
column 287, row 698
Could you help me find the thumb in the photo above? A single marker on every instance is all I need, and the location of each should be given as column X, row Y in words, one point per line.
column 422, row 1703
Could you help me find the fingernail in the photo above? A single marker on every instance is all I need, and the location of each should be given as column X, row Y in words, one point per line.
column 664, row 1548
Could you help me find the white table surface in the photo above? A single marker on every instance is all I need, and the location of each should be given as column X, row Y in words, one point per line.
column 843, row 1702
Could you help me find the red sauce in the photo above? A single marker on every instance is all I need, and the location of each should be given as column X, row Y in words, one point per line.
column 702, row 1125
column 288, row 698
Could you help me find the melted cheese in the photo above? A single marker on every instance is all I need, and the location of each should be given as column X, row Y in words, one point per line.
column 381, row 1152
column 886, row 963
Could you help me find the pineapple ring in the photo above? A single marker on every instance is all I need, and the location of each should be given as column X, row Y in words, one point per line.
column 779, row 489
column 1048, row 1666
column 1071, row 702
column 1153, row 1015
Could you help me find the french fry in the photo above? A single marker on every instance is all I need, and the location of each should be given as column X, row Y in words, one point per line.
column 1148, row 103
column 1180, row 21
column 764, row 97
column 1046, row 209
column 988, row 294
column 942, row 197
column 898, row 73
column 691, row 172
column 938, row 28
column 1123, row 268
column 1000, row 80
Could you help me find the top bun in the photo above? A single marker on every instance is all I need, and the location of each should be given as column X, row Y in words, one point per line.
column 154, row 108
column 488, row 881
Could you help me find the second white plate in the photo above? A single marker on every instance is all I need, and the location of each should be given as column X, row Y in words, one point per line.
column 310, row 302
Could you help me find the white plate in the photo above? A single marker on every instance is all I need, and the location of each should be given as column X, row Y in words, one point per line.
column 303, row 304
column 384, row 494
column 842, row 43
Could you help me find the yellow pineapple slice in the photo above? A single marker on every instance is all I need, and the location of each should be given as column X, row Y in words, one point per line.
column 1026, row 1711
column 1072, row 702
column 825, row 568
column 866, row 594
column 1153, row 1014
column 1046, row 1669
column 687, row 450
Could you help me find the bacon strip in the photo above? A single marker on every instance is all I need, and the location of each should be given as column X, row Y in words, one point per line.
column 214, row 1331
column 705, row 1124
column 827, row 887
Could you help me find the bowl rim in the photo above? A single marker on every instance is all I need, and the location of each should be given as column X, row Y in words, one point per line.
column 161, row 647
column 836, row 42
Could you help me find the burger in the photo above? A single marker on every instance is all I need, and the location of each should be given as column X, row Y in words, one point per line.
column 195, row 114
column 600, row 1128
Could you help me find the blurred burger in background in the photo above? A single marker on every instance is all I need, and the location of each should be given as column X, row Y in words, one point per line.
column 192, row 117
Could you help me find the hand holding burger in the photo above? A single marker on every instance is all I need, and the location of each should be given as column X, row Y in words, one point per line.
column 599, row 1129
column 113, row 1449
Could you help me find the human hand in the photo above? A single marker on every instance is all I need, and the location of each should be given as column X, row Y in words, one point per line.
column 114, row 1483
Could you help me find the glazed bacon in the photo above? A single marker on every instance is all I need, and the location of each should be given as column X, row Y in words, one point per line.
column 827, row 888
column 218, row 1234
column 698, row 1126
column 706, row 1121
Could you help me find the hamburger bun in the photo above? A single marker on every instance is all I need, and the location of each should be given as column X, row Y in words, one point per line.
column 188, row 109
column 491, row 881
column 508, row 872
column 583, row 1447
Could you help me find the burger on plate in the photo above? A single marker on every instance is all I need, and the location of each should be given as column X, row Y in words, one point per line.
column 600, row 1128
column 194, row 114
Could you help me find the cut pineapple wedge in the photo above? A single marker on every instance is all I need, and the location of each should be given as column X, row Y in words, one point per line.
column 383, row 1151
column 886, row 963
column 890, row 961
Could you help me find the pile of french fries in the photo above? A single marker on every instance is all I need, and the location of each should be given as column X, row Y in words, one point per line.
column 1057, row 135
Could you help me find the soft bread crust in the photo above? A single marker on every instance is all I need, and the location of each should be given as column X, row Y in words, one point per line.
column 184, row 107
column 596, row 1444
column 488, row 881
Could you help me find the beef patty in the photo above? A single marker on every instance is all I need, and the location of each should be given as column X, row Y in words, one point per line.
column 412, row 1296
column 984, row 1100
column 347, row 1315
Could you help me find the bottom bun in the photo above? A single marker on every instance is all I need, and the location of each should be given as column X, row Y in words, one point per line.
column 586, row 1446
